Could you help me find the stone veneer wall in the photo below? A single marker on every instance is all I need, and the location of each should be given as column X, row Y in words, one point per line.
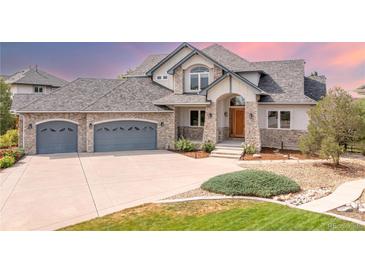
column 252, row 131
column 20, row 131
column 274, row 137
column 179, row 81
column 191, row 133
column 217, row 72
column 223, row 133
column 210, row 126
column 34, row 118
column 165, row 134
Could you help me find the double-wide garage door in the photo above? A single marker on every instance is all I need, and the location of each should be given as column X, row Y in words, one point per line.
column 56, row 137
column 124, row 135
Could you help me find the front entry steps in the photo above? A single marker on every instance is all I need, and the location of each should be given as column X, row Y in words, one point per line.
column 231, row 148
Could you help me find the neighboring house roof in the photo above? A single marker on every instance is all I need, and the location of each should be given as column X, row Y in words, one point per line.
column 358, row 93
column 4, row 77
column 94, row 95
column 146, row 65
column 34, row 76
column 182, row 99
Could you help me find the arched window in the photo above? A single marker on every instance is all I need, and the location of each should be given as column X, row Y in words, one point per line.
column 199, row 78
column 237, row 101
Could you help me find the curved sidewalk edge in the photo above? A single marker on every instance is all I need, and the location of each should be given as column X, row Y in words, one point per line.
column 345, row 193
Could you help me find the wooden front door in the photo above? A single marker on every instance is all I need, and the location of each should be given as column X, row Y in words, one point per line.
column 237, row 122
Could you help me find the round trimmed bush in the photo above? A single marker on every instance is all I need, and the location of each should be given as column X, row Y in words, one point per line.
column 251, row 183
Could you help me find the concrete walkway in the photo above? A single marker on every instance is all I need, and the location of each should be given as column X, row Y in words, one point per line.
column 345, row 193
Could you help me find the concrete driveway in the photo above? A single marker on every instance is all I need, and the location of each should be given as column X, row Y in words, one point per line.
column 47, row 192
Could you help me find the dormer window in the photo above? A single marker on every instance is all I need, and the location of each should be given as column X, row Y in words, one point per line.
column 199, row 78
column 38, row 89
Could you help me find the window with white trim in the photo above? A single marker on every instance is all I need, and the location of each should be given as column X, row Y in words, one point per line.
column 197, row 118
column 278, row 119
column 161, row 77
column 38, row 89
column 199, row 78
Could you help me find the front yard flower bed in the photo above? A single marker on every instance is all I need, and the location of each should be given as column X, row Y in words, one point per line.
column 8, row 157
column 277, row 154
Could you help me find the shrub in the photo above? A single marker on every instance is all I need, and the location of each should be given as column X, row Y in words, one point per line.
column 7, row 161
column 9, row 139
column 184, row 145
column 16, row 153
column 208, row 146
column 251, row 183
column 249, row 149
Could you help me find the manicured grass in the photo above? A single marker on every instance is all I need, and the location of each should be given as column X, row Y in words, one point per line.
column 220, row 215
column 251, row 183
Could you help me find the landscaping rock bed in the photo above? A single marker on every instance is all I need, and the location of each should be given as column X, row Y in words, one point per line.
column 354, row 210
column 305, row 196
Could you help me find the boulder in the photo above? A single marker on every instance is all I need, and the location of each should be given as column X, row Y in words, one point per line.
column 345, row 209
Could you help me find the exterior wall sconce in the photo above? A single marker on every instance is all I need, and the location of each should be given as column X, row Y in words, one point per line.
column 90, row 125
column 162, row 124
column 30, row 126
column 225, row 114
column 251, row 116
column 210, row 115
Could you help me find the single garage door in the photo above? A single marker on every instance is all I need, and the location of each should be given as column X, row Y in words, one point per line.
column 124, row 135
column 56, row 137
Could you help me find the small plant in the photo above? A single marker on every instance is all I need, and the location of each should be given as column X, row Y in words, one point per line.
column 184, row 145
column 9, row 139
column 15, row 153
column 7, row 161
column 248, row 149
column 208, row 146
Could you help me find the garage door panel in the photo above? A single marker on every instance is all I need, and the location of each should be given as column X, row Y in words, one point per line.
column 124, row 135
column 56, row 137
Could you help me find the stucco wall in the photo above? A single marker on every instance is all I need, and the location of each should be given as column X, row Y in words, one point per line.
column 165, row 133
column 299, row 115
column 26, row 89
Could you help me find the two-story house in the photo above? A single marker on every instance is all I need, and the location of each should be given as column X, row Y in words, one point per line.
column 203, row 95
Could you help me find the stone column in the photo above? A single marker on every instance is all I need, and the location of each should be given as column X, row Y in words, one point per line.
column 210, row 127
column 20, row 131
column 252, row 130
column 178, row 81
column 89, row 133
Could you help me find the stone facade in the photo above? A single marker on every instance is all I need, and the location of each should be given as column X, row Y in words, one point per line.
column 252, row 131
column 210, row 126
column 191, row 133
column 276, row 137
column 165, row 132
column 30, row 121
column 179, row 81
column 217, row 72
column 20, row 131
column 223, row 133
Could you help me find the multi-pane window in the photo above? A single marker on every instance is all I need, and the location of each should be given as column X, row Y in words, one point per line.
column 197, row 118
column 278, row 119
column 199, row 78
column 38, row 89
column 161, row 77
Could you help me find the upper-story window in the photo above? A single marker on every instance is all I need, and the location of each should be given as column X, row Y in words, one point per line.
column 162, row 77
column 199, row 78
column 38, row 89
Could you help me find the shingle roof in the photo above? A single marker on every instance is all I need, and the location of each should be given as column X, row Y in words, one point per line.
column 182, row 99
column 21, row 100
column 135, row 94
column 147, row 64
column 89, row 95
column 227, row 58
column 74, row 96
column 34, row 76
column 315, row 87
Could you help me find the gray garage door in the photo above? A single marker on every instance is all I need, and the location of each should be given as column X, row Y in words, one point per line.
column 124, row 135
column 56, row 137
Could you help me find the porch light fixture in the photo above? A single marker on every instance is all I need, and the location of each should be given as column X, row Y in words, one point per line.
column 162, row 124
column 210, row 115
column 251, row 116
column 90, row 125
column 30, row 126
column 225, row 114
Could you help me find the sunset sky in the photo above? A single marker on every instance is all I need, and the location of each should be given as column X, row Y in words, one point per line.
column 342, row 63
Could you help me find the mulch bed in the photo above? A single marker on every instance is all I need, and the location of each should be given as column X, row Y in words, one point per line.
column 278, row 154
column 194, row 154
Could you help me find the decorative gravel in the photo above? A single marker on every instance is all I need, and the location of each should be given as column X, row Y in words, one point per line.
column 318, row 175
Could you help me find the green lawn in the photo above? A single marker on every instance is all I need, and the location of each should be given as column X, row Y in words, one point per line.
column 223, row 215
